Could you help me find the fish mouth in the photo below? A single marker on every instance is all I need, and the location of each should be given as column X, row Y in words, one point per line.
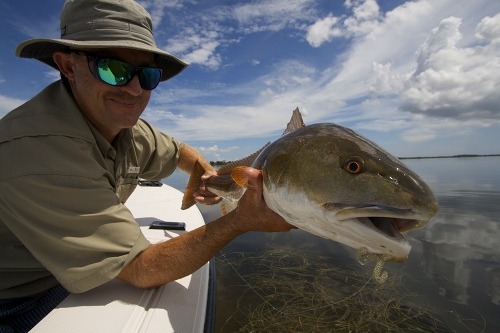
column 387, row 219
column 389, row 226
column 380, row 228
column 392, row 221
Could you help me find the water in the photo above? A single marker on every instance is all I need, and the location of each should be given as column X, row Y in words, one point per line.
column 300, row 282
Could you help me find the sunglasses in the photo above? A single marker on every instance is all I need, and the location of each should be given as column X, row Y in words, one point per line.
column 119, row 73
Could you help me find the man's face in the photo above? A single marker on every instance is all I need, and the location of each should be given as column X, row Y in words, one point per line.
column 110, row 108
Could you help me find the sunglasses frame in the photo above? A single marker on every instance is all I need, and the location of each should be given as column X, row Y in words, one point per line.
column 137, row 69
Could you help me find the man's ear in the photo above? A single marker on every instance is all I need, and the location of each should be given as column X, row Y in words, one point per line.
column 65, row 62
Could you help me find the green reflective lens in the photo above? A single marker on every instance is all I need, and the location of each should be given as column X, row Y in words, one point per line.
column 114, row 72
column 119, row 73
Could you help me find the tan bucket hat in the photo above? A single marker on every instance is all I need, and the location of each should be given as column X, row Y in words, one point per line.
column 102, row 24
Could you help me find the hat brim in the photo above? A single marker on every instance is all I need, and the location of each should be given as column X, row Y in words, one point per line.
column 42, row 49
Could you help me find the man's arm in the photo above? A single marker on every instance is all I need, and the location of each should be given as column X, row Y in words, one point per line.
column 165, row 262
column 188, row 157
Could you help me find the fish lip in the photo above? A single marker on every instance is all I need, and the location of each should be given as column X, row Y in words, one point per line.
column 387, row 220
column 350, row 211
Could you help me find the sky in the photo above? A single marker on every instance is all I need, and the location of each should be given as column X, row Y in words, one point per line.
column 419, row 78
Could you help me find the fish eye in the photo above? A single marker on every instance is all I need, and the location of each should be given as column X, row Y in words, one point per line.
column 354, row 165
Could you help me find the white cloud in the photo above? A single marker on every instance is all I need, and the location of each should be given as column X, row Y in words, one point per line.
column 215, row 152
column 419, row 134
column 384, row 80
column 452, row 81
column 323, row 30
column 42, row 28
column 215, row 148
column 205, row 55
column 272, row 15
column 156, row 9
column 8, row 104
column 289, row 75
column 384, row 125
column 425, row 129
column 489, row 29
column 53, row 75
column 199, row 37
column 445, row 36
column 364, row 18
column 198, row 44
column 459, row 78
column 363, row 9
column 267, row 93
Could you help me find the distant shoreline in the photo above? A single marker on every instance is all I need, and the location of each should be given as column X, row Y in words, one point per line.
column 221, row 163
column 451, row 156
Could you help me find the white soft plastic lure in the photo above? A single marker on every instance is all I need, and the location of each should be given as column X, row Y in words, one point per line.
column 364, row 257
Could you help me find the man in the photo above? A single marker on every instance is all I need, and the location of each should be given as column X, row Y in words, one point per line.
column 73, row 154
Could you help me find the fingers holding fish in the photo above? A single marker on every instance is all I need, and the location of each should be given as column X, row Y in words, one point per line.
column 205, row 197
column 208, row 174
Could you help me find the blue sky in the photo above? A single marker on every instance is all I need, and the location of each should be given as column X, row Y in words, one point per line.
column 420, row 78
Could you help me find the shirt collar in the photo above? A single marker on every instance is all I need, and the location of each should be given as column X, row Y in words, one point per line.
column 123, row 141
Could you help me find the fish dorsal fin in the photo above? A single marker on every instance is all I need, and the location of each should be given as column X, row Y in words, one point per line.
column 247, row 161
column 295, row 123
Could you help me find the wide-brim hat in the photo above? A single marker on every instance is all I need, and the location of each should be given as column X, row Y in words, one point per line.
column 94, row 24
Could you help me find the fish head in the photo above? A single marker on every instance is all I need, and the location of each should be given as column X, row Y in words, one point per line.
column 335, row 183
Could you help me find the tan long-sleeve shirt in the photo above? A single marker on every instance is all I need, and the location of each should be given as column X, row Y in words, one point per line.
column 62, row 189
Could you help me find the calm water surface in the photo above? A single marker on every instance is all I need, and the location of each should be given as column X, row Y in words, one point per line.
column 297, row 282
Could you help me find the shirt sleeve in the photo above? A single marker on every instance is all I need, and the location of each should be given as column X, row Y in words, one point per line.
column 78, row 231
column 157, row 152
column 63, row 209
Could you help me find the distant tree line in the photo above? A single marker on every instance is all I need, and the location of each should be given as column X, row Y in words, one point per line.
column 219, row 163
column 451, row 156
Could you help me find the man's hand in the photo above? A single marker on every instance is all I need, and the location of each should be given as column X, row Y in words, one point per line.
column 252, row 213
column 204, row 196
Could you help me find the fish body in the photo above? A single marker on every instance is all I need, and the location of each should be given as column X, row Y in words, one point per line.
column 332, row 182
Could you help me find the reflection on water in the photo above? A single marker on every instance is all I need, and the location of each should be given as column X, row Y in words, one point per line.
column 460, row 249
column 451, row 279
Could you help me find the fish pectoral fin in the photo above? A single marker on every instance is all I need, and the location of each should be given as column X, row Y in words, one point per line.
column 193, row 185
column 238, row 175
